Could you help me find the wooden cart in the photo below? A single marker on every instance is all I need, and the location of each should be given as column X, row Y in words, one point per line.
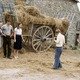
column 40, row 37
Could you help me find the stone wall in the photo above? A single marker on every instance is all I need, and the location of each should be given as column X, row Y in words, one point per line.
column 60, row 9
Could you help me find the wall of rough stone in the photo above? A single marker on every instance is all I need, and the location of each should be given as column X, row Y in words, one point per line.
column 60, row 9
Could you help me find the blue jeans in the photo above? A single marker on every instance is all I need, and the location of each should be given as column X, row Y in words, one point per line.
column 57, row 63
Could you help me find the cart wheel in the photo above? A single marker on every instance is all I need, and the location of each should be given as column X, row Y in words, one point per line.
column 42, row 39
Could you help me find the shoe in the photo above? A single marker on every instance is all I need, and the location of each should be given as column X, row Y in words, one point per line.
column 9, row 58
column 60, row 67
column 55, row 68
column 4, row 56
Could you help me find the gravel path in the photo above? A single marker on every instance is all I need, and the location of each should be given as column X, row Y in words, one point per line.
column 25, row 74
column 31, row 66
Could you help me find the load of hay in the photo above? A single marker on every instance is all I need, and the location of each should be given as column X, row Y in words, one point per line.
column 29, row 14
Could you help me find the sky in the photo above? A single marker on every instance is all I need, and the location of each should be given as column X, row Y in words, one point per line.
column 78, row 4
column 78, row 0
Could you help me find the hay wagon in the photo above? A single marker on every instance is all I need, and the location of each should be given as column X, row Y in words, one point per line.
column 38, row 30
column 39, row 36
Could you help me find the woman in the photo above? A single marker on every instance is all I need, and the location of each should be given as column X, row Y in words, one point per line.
column 17, row 39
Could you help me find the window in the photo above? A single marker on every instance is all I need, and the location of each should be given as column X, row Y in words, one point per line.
column 78, row 26
column 76, row 42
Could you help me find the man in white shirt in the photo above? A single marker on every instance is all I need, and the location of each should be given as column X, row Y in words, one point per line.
column 7, row 32
column 59, row 47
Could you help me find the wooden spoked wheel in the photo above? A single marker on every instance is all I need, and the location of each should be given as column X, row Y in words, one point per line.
column 42, row 39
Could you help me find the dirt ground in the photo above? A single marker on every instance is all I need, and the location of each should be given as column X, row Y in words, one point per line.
column 38, row 66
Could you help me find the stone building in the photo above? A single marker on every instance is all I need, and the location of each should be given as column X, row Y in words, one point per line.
column 59, row 9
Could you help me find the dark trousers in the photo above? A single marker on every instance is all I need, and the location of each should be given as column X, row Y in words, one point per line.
column 57, row 63
column 7, row 46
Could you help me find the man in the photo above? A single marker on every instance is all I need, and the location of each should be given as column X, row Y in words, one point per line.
column 60, row 40
column 7, row 32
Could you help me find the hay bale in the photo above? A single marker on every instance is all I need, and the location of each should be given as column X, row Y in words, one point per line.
column 49, row 21
column 21, row 15
column 31, row 10
column 62, row 24
column 36, row 20
column 58, row 23
column 65, row 23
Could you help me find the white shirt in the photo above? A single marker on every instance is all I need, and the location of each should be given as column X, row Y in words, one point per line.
column 60, row 40
column 6, row 29
column 18, row 31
